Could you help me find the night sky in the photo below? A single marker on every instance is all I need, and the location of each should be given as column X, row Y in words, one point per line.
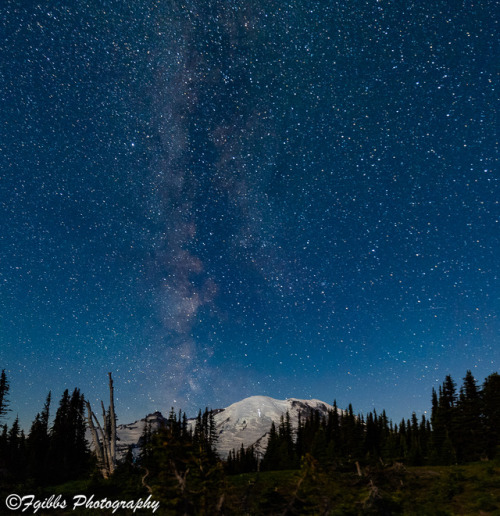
column 219, row 199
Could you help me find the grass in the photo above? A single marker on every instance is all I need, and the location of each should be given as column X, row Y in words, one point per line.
column 472, row 489
column 427, row 491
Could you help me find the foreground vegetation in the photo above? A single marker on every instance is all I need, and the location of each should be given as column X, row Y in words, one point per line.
column 394, row 489
column 472, row 489
column 333, row 464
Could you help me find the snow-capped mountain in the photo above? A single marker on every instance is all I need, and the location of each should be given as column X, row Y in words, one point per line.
column 245, row 422
column 130, row 434
column 248, row 421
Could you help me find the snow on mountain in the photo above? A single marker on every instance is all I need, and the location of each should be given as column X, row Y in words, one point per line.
column 130, row 434
column 248, row 421
column 245, row 422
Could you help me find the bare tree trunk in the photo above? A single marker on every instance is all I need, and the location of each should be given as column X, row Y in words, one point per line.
column 95, row 437
column 113, row 423
column 288, row 509
column 181, row 479
column 220, row 503
column 101, row 443
column 104, row 439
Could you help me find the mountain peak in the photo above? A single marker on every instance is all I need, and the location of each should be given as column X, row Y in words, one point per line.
column 248, row 421
column 244, row 422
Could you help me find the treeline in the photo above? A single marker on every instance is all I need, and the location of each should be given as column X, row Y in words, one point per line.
column 49, row 454
column 464, row 426
column 180, row 465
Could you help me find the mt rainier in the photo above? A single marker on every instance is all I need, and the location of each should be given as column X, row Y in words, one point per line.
column 248, row 421
column 245, row 422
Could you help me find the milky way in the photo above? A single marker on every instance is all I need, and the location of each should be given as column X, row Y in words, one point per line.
column 214, row 200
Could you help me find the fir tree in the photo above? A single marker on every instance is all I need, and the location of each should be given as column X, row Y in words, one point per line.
column 242, row 461
column 491, row 414
column 4, row 444
column 444, row 424
column 271, row 456
column 38, row 444
column 4, row 390
column 16, row 451
column 469, row 436
column 68, row 453
column 319, row 446
column 184, row 467
column 145, row 444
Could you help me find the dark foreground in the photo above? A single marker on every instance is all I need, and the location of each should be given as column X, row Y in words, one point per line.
column 391, row 489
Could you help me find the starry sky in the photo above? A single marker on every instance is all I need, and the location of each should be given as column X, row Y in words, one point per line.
column 219, row 199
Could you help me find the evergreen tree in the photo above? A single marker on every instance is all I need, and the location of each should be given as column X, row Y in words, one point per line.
column 242, row 461
column 287, row 447
column 448, row 455
column 449, row 393
column 353, row 429
column 16, row 452
column 13, row 437
column 333, row 426
column 403, row 440
column 4, row 390
column 299, row 442
column 80, row 451
column 271, row 457
column 145, row 444
column 185, row 470
column 383, row 434
column 390, row 450
column 230, row 463
column 449, row 408
column 445, row 429
column 469, row 435
column 68, row 452
column 438, row 430
column 424, row 433
column 371, row 438
column 212, row 432
column 491, row 413
column 319, row 446
column 172, row 422
column 4, row 445
column 184, row 425
column 205, row 435
column 38, row 443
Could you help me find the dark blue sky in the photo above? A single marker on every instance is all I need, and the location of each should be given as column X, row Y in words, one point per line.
column 214, row 200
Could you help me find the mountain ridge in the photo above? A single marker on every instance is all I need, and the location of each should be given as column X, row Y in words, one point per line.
column 246, row 422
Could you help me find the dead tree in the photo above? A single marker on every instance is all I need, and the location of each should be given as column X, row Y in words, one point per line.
column 104, row 437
